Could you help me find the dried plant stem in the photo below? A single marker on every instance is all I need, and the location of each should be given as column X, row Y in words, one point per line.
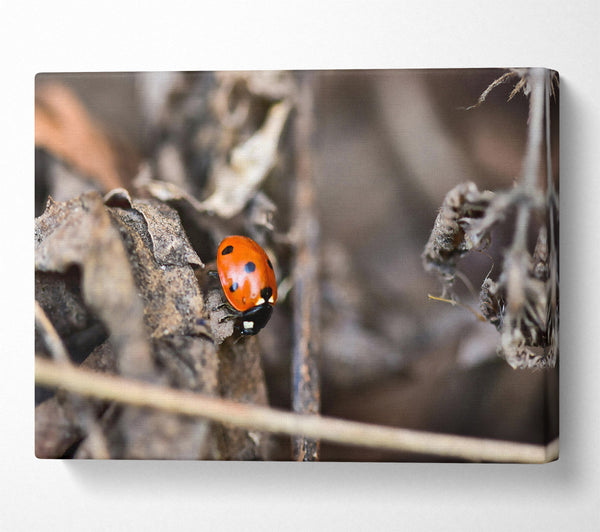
column 454, row 303
column 259, row 418
column 305, row 377
column 531, row 163
column 517, row 256
column 490, row 88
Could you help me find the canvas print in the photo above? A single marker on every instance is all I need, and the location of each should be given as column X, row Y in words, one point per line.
column 342, row 265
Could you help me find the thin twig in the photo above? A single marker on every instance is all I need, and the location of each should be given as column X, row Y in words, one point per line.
column 51, row 337
column 87, row 415
column 266, row 419
column 305, row 377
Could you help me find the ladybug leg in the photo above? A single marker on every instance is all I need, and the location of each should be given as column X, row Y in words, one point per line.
column 213, row 273
column 231, row 313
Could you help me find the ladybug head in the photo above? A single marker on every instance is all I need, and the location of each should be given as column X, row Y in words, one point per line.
column 253, row 320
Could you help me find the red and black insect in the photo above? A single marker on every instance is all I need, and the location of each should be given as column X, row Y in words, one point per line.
column 248, row 281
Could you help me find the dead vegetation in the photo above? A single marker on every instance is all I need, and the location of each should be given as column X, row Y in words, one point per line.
column 127, row 229
column 523, row 303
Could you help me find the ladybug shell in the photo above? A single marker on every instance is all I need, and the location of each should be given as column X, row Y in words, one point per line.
column 246, row 273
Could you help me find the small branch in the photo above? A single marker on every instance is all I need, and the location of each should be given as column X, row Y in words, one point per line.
column 266, row 419
column 305, row 376
column 50, row 336
column 46, row 417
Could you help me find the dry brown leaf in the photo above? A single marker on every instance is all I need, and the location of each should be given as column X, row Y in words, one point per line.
column 169, row 242
column 137, row 277
column 237, row 182
column 251, row 161
column 451, row 238
column 166, row 282
column 173, row 311
column 79, row 232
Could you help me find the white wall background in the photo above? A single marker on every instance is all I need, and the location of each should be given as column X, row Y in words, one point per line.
column 117, row 35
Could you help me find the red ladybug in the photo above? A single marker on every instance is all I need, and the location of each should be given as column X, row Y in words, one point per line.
column 248, row 280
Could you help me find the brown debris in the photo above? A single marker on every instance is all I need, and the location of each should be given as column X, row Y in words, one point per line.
column 250, row 162
column 521, row 303
column 465, row 221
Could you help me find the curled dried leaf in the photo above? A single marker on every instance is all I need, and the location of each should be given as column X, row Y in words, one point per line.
column 118, row 197
column 451, row 237
column 236, row 182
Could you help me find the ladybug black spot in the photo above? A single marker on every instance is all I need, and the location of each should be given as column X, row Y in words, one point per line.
column 269, row 263
column 233, row 287
column 227, row 250
column 250, row 267
column 266, row 293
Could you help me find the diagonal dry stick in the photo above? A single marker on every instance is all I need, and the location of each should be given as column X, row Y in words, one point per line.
column 50, row 336
column 266, row 419
column 58, row 351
